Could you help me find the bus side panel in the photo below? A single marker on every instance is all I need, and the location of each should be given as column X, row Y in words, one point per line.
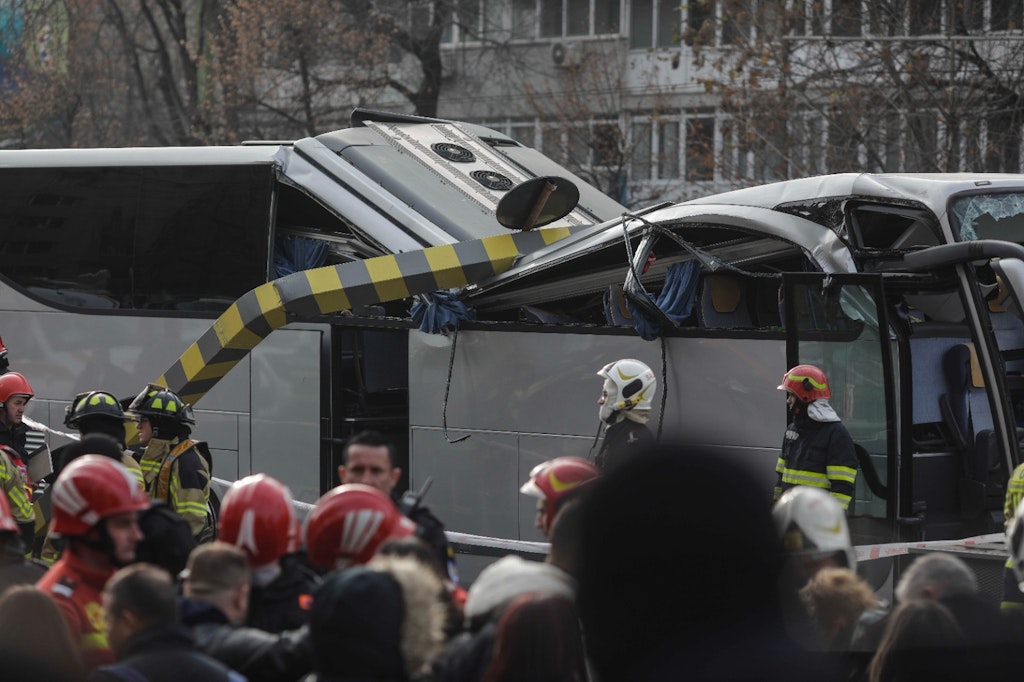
column 285, row 426
column 541, row 388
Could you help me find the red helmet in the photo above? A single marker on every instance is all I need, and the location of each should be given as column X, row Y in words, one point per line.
column 90, row 489
column 806, row 382
column 7, row 522
column 12, row 384
column 257, row 516
column 349, row 523
column 553, row 480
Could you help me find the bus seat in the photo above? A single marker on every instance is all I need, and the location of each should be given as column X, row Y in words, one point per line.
column 723, row 302
column 966, row 409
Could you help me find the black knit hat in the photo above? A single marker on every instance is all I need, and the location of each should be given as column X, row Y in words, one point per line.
column 356, row 625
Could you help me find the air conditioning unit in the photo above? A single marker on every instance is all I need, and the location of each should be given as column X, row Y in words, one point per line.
column 567, row 54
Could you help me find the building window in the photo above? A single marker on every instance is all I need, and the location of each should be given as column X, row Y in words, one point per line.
column 654, row 23
column 559, row 18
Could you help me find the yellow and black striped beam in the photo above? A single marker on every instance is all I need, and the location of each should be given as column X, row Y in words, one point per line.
column 333, row 288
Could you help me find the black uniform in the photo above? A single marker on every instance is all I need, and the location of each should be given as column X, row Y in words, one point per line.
column 817, row 454
column 15, row 438
column 284, row 603
column 430, row 529
column 621, row 440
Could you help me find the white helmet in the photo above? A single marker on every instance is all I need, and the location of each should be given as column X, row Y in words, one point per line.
column 633, row 383
column 812, row 523
column 1015, row 543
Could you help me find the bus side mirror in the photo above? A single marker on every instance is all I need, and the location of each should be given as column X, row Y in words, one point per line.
column 1011, row 274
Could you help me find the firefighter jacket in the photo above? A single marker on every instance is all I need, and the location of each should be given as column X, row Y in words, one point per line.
column 14, row 483
column 76, row 589
column 15, row 437
column 621, row 440
column 178, row 472
column 818, row 454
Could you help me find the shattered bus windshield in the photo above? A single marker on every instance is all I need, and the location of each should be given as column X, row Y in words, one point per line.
column 990, row 216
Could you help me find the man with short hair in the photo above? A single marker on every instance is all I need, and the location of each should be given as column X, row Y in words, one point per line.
column 369, row 458
column 140, row 608
column 96, row 503
column 216, row 585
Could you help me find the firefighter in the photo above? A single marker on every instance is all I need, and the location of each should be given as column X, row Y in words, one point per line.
column 100, row 412
column 817, row 450
column 629, row 388
column 15, row 393
column 554, row 483
column 349, row 523
column 176, row 468
column 95, row 507
column 812, row 527
column 257, row 516
column 1013, row 597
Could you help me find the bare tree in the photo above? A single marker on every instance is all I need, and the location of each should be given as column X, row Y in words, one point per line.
column 843, row 86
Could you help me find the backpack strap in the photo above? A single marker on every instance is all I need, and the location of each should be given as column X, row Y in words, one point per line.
column 163, row 484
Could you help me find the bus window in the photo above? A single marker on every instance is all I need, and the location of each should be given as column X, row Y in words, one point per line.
column 157, row 237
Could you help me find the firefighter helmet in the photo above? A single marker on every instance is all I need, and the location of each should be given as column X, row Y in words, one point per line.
column 90, row 489
column 634, row 383
column 553, row 480
column 256, row 515
column 349, row 523
column 807, row 383
column 7, row 522
column 156, row 401
column 812, row 523
column 93, row 404
column 14, row 384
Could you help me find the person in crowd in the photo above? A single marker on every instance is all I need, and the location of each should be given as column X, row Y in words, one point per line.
column 817, row 450
column 625, row 408
column 467, row 655
column 835, row 599
column 15, row 568
column 15, row 394
column 140, row 608
column 538, row 640
column 554, row 483
column 176, row 468
column 693, row 584
column 96, row 502
column 348, row 525
column 369, row 458
column 382, row 621
column 452, row 596
column 911, row 647
column 216, row 588
column 257, row 515
column 33, row 633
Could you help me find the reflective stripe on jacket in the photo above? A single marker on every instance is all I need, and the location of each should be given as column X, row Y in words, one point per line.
column 821, row 455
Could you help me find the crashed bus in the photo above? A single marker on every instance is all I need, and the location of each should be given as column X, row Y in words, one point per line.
column 271, row 284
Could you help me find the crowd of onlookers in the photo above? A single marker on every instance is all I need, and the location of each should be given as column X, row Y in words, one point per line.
column 673, row 566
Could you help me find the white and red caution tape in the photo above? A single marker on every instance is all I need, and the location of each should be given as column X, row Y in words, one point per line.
column 870, row 552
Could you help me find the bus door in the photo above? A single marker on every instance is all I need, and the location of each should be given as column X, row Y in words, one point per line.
column 838, row 323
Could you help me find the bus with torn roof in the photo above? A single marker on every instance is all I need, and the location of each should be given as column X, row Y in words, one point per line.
column 271, row 285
